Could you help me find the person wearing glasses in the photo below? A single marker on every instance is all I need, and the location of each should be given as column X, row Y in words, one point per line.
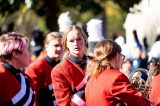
column 107, row 86
column 16, row 88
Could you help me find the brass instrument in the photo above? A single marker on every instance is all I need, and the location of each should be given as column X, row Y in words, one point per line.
column 141, row 80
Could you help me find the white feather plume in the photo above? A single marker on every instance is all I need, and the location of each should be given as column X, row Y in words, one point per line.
column 155, row 50
column 64, row 21
column 94, row 29
column 145, row 22
column 120, row 40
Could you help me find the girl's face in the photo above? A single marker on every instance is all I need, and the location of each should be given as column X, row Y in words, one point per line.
column 54, row 48
column 76, row 43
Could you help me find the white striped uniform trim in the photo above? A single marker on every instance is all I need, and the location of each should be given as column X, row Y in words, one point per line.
column 22, row 93
column 78, row 100
column 51, row 88
column 55, row 103
column 29, row 99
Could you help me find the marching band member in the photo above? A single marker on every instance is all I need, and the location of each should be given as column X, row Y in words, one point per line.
column 107, row 86
column 15, row 86
column 154, row 55
column 40, row 70
column 69, row 74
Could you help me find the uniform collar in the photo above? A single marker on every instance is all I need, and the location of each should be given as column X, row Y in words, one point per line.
column 80, row 62
column 77, row 60
column 51, row 61
column 11, row 68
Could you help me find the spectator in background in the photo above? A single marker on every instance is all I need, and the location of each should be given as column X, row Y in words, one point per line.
column 139, row 54
column 126, row 67
column 68, row 75
column 15, row 86
column 107, row 86
column 40, row 69
column 36, row 43
column 1, row 31
column 10, row 27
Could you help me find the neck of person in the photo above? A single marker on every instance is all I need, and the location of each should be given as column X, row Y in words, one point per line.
column 80, row 56
column 54, row 58
column 114, row 64
column 15, row 64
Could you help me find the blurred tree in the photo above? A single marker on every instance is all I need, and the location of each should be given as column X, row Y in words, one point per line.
column 8, row 7
column 50, row 9
column 126, row 4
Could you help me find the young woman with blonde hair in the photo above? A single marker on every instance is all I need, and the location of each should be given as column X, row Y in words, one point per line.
column 40, row 70
column 70, row 72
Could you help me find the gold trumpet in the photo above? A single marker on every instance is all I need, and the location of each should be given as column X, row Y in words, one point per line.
column 141, row 80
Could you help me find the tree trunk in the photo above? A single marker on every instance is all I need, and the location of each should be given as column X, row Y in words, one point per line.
column 52, row 15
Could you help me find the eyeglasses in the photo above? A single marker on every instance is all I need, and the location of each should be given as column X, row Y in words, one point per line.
column 123, row 57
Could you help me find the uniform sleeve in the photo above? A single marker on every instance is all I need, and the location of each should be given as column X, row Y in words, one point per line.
column 122, row 90
column 2, row 89
column 157, row 103
column 61, row 87
column 155, row 91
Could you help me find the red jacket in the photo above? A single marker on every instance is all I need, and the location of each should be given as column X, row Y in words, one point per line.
column 111, row 88
column 155, row 90
column 40, row 72
column 65, row 77
column 14, row 84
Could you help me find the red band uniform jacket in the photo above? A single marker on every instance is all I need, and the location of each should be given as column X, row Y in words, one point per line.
column 112, row 88
column 15, row 87
column 40, row 72
column 155, row 90
column 65, row 77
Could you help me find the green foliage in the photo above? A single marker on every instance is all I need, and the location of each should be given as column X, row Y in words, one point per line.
column 81, row 5
column 8, row 7
column 39, row 6
column 81, row 10
column 126, row 4
column 115, row 19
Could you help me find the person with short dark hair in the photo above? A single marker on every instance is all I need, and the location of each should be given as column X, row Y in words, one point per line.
column 36, row 43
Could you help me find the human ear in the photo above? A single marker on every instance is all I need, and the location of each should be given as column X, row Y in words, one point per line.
column 15, row 54
column 117, row 57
